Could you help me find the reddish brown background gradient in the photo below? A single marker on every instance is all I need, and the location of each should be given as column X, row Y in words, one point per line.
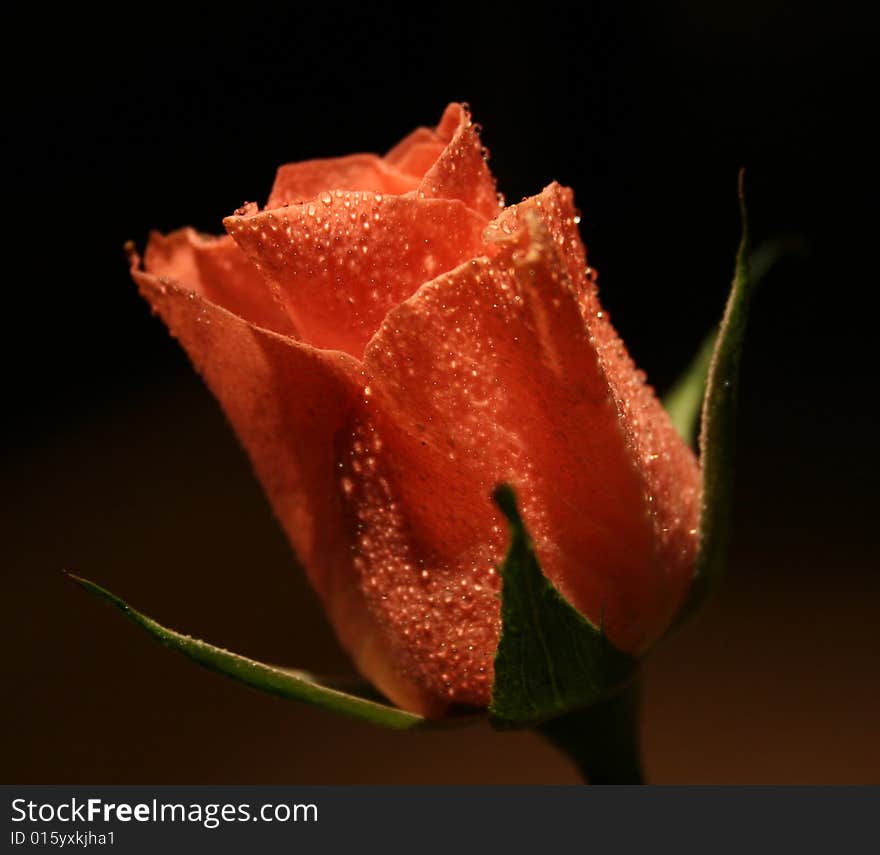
column 118, row 464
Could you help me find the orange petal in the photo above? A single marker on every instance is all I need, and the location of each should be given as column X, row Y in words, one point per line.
column 298, row 182
column 415, row 154
column 339, row 263
column 490, row 374
column 667, row 468
column 446, row 163
column 461, row 171
column 215, row 268
column 291, row 405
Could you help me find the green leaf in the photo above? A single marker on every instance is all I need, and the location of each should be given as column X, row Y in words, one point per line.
column 550, row 658
column 717, row 431
column 284, row 682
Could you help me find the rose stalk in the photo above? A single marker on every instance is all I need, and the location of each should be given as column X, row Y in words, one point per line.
column 493, row 506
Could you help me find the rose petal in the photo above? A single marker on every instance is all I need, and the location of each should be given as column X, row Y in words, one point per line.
column 215, row 268
column 447, row 163
column 555, row 207
column 461, row 171
column 667, row 466
column 416, row 153
column 299, row 182
column 339, row 263
column 488, row 374
column 290, row 404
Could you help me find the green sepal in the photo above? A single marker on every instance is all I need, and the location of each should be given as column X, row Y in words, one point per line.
column 284, row 682
column 550, row 659
column 717, row 429
column 684, row 400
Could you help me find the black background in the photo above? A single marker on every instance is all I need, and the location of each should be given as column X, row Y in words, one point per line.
column 120, row 466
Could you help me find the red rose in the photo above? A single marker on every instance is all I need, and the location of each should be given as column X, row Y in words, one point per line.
column 390, row 344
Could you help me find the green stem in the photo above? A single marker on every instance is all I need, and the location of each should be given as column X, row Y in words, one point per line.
column 602, row 740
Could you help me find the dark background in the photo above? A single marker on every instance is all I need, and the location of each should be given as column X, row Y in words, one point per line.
column 119, row 465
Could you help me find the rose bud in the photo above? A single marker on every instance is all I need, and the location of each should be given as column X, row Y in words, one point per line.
column 390, row 344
